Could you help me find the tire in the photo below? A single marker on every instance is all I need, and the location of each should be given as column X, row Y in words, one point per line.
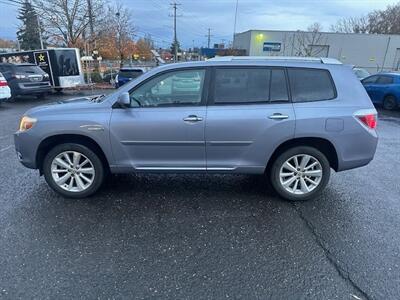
column 305, row 189
column 84, row 183
column 12, row 99
column 390, row 102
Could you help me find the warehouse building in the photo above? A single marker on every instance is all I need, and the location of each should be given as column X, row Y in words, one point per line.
column 374, row 52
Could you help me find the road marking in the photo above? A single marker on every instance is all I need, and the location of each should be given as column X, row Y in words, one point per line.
column 6, row 148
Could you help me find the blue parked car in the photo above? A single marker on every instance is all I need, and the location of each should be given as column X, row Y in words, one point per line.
column 384, row 89
column 126, row 74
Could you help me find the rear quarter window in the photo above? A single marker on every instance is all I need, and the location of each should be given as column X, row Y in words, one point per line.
column 311, row 85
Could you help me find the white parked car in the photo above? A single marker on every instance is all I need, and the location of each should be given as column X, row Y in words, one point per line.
column 5, row 91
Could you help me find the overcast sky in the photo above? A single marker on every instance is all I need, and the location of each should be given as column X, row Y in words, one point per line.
column 196, row 16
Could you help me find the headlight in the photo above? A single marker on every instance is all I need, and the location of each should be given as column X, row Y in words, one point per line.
column 20, row 76
column 26, row 123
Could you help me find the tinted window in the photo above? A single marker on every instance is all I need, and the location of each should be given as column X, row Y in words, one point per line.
column 370, row 80
column 130, row 73
column 28, row 69
column 278, row 86
column 310, row 85
column 242, row 85
column 384, row 80
column 173, row 88
column 66, row 63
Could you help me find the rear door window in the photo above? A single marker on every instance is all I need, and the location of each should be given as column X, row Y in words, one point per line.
column 311, row 85
column 249, row 85
column 278, row 88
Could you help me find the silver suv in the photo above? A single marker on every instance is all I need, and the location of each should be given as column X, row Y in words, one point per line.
column 291, row 119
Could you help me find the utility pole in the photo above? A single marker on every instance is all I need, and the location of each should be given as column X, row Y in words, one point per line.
column 40, row 32
column 174, row 7
column 209, row 37
column 91, row 27
column 234, row 23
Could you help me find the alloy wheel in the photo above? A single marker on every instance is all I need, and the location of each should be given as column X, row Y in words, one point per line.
column 72, row 171
column 300, row 174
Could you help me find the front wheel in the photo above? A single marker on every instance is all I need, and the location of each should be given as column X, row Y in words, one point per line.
column 300, row 173
column 73, row 170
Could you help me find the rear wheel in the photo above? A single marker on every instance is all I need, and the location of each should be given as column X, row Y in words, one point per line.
column 73, row 170
column 389, row 102
column 300, row 173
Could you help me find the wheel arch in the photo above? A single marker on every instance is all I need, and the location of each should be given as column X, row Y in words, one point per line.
column 50, row 142
column 390, row 94
column 321, row 144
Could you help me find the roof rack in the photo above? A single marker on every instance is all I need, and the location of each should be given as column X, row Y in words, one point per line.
column 322, row 60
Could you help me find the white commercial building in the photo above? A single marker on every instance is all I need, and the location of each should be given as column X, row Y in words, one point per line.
column 374, row 52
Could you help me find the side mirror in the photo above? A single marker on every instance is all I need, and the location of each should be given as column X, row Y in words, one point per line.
column 124, row 100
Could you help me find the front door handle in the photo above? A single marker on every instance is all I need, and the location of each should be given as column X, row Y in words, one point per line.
column 278, row 116
column 193, row 118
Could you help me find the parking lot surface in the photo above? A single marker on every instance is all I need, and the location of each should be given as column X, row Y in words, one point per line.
column 200, row 236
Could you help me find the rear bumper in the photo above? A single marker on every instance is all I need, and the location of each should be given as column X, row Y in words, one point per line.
column 358, row 150
column 27, row 89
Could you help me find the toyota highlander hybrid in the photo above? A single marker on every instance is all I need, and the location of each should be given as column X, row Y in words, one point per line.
column 292, row 119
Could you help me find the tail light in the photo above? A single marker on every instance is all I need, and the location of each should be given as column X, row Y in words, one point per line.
column 367, row 117
column 3, row 83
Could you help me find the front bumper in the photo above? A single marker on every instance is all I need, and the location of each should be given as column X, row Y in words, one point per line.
column 25, row 147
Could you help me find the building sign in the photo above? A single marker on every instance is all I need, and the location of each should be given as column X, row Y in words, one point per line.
column 272, row 46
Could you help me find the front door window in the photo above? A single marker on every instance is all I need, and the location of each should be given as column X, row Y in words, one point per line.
column 180, row 88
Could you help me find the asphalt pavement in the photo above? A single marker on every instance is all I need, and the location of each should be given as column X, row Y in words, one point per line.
column 200, row 236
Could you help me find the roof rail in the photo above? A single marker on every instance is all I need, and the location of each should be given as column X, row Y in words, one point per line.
column 322, row 60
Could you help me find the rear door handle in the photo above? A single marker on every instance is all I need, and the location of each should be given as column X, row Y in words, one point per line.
column 193, row 118
column 278, row 116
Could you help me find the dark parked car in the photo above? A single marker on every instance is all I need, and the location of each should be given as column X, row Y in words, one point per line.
column 126, row 74
column 26, row 79
column 384, row 89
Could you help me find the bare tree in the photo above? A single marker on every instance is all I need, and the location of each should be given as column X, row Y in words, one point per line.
column 65, row 21
column 118, row 29
column 351, row 25
column 385, row 21
column 311, row 42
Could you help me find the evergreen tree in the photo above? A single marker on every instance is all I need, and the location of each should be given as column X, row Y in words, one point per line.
column 178, row 48
column 28, row 33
